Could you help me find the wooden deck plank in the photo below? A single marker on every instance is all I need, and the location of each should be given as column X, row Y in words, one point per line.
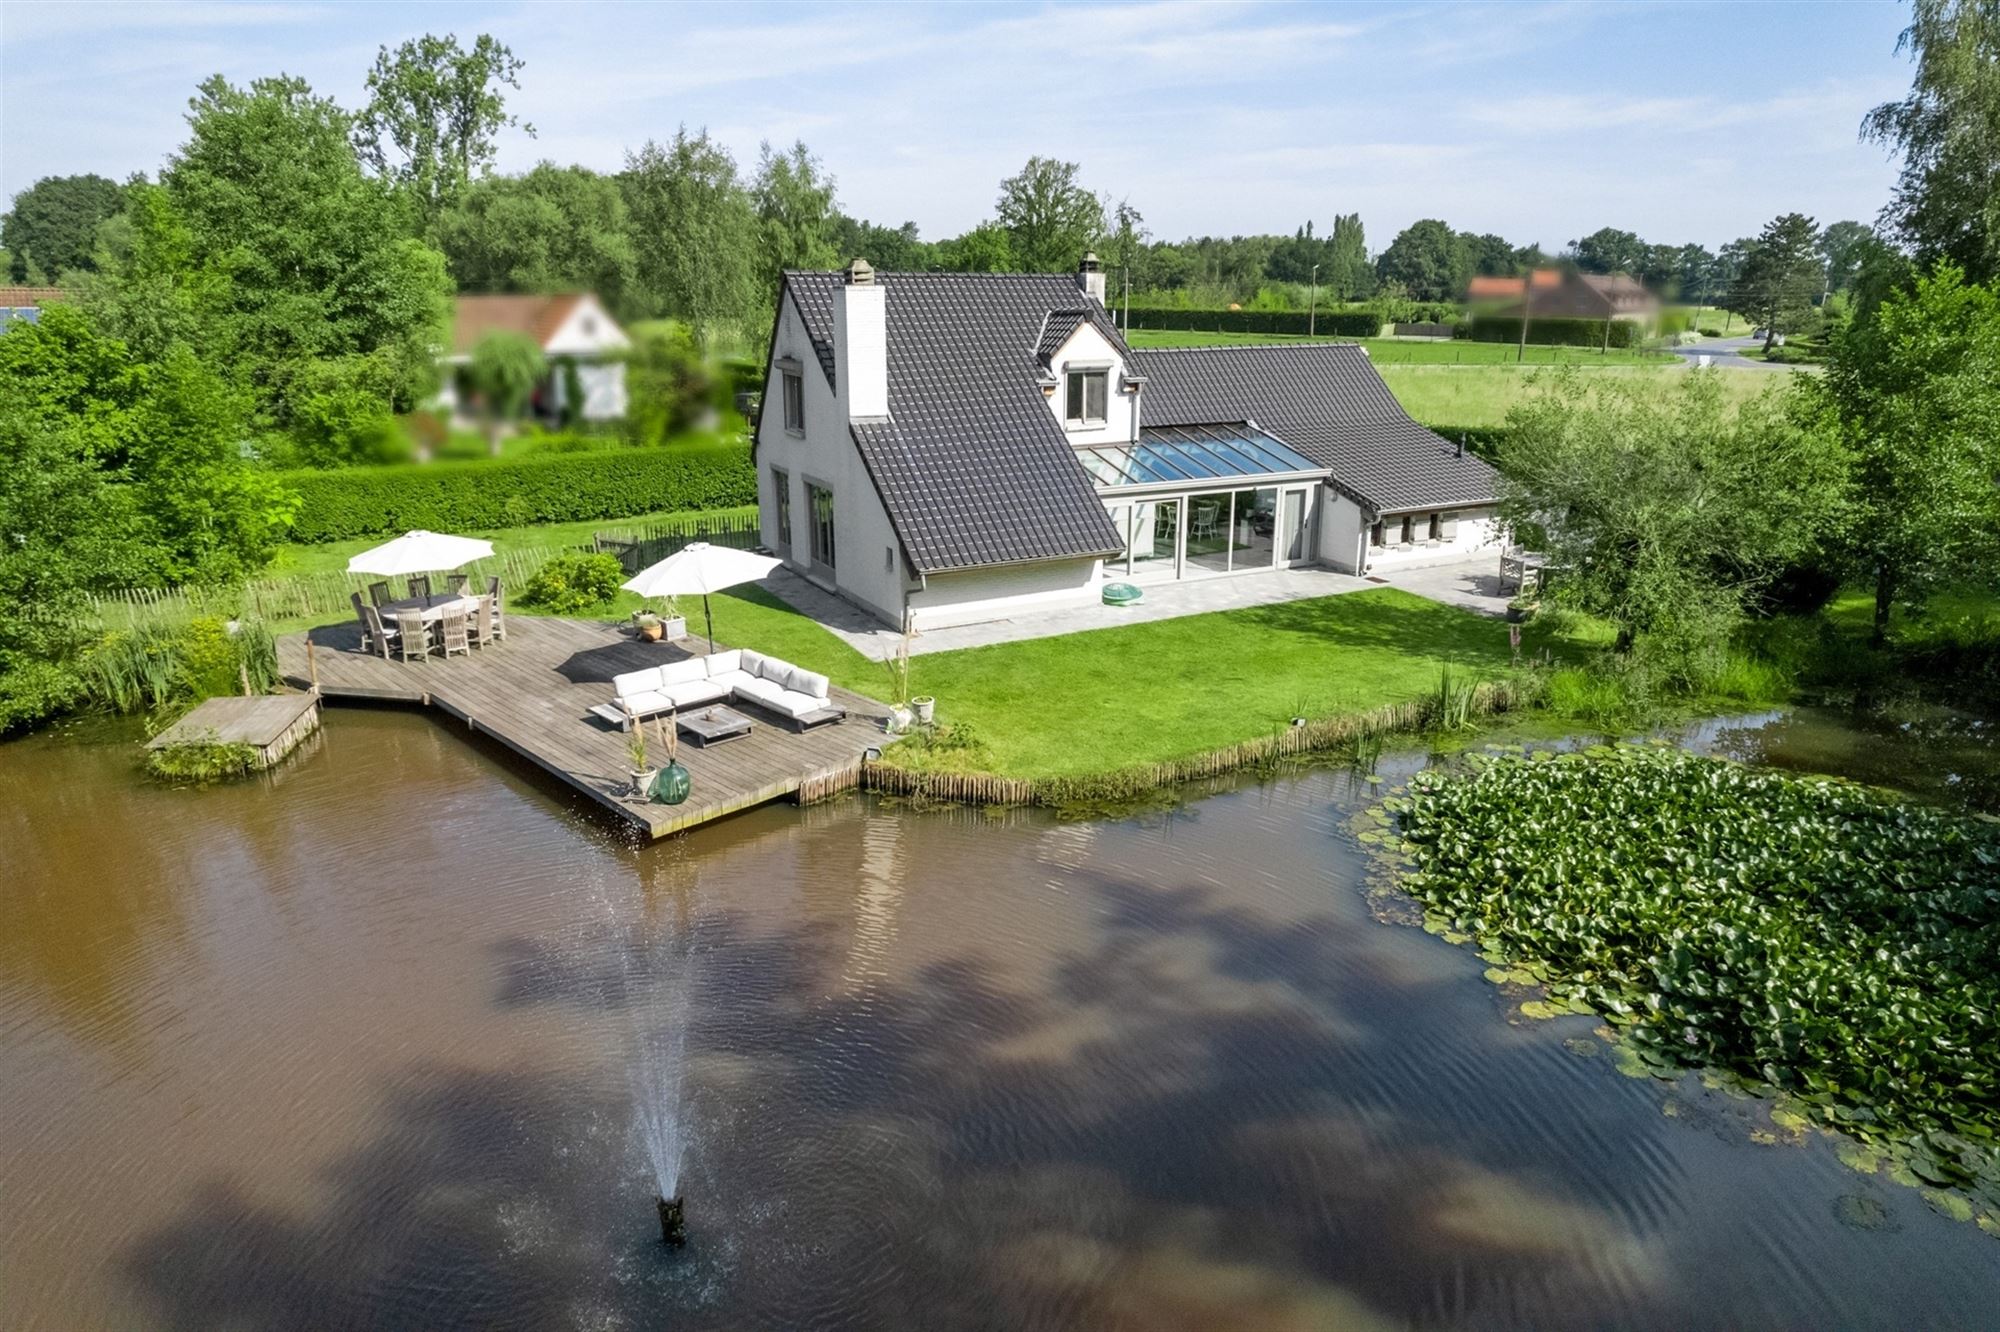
column 532, row 693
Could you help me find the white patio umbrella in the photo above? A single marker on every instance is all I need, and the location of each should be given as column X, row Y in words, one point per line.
column 420, row 552
column 700, row 567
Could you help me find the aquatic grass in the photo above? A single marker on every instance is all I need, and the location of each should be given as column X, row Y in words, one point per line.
column 1808, row 936
column 201, row 759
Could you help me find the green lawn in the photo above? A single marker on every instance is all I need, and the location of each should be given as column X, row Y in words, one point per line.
column 1159, row 690
column 1401, row 351
column 1479, row 397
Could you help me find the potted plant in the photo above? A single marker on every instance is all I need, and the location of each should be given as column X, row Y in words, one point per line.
column 673, row 784
column 643, row 774
column 898, row 668
column 673, row 624
column 925, row 707
column 649, row 625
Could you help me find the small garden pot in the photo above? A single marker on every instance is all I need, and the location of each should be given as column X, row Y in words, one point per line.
column 899, row 720
column 651, row 630
column 643, row 780
column 925, row 707
column 674, row 627
column 672, row 785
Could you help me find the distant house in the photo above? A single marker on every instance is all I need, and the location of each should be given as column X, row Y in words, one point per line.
column 573, row 330
column 24, row 304
column 1554, row 294
column 947, row 448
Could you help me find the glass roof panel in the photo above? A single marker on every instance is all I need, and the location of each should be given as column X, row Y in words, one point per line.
column 1194, row 454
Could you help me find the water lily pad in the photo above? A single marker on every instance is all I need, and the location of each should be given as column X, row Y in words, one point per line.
column 1860, row 1212
column 1789, row 1120
column 1949, row 1204
column 1855, row 1156
column 1540, row 1010
column 1990, row 1222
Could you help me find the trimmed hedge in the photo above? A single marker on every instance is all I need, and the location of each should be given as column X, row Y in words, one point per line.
column 1554, row 332
column 1331, row 323
column 538, row 488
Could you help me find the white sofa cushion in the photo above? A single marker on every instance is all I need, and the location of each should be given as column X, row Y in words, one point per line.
column 636, row 682
column 690, row 693
column 645, row 702
column 795, row 704
column 806, row 682
column 721, row 663
column 753, row 662
column 764, row 691
column 731, row 680
column 680, row 672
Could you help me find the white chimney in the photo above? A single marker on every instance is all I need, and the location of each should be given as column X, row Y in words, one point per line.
column 1090, row 277
column 861, row 344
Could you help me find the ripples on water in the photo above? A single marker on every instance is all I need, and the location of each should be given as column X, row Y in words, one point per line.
column 353, row 1048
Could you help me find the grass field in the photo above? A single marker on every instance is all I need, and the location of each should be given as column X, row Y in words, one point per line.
column 1401, row 351
column 1479, row 397
column 332, row 556
column 1208, row 680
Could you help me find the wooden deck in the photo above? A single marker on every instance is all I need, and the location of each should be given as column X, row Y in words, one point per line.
column 533, row 693
column 272, row 724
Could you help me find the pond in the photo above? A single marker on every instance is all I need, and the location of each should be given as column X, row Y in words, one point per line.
column 350, row 1047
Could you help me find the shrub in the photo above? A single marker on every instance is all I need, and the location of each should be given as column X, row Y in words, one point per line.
column 568, row 584
column 539, row 488
column 32, row 692
column 1710, row 332
column 1328, row 323
column 205, row 758
column 1554, row 332
column 156, row 667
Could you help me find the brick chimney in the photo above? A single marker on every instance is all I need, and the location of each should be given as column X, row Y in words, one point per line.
column 861, row 344
column 1090, row 276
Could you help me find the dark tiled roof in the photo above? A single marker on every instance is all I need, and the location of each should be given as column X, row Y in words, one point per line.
column 1327, row 402
column 1060, row 328
column 972, row 466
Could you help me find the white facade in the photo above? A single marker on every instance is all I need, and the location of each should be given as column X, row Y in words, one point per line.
column 977, row 595
column 1354, row 542
column 868, row 566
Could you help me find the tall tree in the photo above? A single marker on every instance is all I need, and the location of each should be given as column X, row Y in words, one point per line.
column 1427, row 260
column 53, row 225
column 1781, row 276
column 268, row 187
column 1668, row 508
column 1609, row 250
column 558, row 228
column 795, row 212
column 1947, row 200
column 889, row 249
column 1126, row 245
column 1843, row 247
column 1489, row 255
column 1917, row 391
column 694, row 232
column 1050, row 220
column 987, row 248
column 1349, row 276
column 433, row 112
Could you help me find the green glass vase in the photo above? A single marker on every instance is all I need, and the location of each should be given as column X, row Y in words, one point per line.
column 672, row 785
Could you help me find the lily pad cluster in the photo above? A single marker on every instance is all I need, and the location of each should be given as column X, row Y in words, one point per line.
column 1810, row 936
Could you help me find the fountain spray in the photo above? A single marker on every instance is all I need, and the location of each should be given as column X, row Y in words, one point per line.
column 673, row 1221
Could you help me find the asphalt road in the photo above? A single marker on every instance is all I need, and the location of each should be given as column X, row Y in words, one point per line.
column 1723, row 352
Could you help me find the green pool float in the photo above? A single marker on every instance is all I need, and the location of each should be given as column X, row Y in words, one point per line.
column 1121, row 594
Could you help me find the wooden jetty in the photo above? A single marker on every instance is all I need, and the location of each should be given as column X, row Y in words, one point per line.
column 533, row 693
column 273, row 724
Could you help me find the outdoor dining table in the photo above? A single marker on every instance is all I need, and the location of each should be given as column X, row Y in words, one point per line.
column 432, row 607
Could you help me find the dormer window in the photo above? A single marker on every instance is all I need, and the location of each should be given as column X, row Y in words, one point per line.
column 795, row 402
column 1085, row 395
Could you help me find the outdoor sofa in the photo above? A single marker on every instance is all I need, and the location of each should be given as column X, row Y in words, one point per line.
column 796, row 694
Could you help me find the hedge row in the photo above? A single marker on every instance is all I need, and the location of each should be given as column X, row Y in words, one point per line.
column 538, row 488
column 1554, row 332
column 1332, row 323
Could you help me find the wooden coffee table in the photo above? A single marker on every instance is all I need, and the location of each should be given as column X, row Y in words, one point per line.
column 713, row 725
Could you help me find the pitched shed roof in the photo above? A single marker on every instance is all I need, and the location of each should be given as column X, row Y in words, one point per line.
column 971, row 464
column 1326, row 401
column 28, row 298
column 537, row 316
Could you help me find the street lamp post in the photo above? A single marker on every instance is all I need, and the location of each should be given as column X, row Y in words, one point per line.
column 1312, row 305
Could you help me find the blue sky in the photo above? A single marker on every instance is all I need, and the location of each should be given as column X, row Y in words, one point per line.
column 1538, row 121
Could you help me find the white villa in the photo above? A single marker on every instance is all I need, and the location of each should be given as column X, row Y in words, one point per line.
column 946, row 448
column 572, row 329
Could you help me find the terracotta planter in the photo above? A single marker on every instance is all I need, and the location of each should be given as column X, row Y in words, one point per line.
column 653, row 632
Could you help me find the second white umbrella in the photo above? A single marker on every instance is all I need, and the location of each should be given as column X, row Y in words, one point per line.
column 699, row 568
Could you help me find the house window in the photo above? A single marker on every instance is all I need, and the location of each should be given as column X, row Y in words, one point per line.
column 1085, row 397
column 781, row 488
column 795, row 403
column 1409, row 535
column 1378, row 535
column 820, row 504
column 1436, row 531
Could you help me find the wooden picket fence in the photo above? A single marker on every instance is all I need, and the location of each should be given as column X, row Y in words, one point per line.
column 325, row 596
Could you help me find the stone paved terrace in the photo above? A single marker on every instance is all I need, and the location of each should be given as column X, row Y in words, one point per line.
column 1470, row 585
column 533, row 693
